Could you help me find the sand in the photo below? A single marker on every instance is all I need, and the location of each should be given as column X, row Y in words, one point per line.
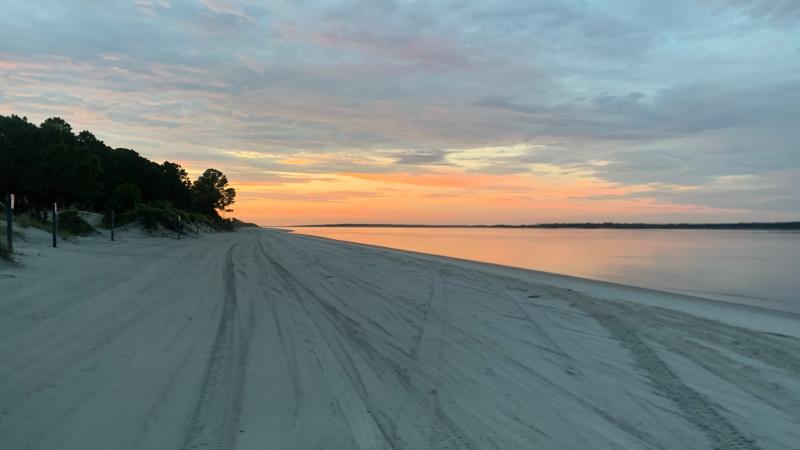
column 265, row 339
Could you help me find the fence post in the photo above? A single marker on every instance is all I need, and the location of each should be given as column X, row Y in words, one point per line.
column 112, row 225
column 55, row 224
column 9, row 222
column 180, row 225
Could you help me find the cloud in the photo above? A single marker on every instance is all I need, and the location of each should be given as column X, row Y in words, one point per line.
column 431, row 52
column 777, row 11
column 227, row 8
column 420, row 158
column 770, row 193
column 684, row 93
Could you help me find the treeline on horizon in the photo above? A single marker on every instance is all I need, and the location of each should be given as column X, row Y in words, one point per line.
column 48, row 163
column 591, row 225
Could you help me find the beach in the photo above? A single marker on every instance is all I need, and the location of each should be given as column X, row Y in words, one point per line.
column 265, row 339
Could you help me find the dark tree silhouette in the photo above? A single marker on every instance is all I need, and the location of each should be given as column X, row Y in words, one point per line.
column 49, row 163
column 211, row 192
column 126, row 196
column 175, row 185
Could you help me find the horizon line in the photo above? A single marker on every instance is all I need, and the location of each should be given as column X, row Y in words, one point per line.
column 631, row 225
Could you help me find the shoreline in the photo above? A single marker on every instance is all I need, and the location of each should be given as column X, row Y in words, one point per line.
column 765, row 304
column 369, row 347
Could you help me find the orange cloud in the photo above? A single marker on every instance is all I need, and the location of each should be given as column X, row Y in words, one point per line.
column 297, row 161
column 442, row 180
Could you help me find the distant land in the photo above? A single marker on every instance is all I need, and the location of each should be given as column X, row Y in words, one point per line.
column 604, row 225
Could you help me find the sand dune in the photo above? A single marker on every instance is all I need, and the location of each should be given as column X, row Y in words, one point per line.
column 263, row 339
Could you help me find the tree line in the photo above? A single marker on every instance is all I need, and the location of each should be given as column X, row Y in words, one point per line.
column 49, row 163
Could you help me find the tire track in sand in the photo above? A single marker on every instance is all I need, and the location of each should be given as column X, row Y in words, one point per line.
column 367, row 431
column 424, row 363
column 286, row 340
column 696, row 407
column 428, row 352
column 214, row 421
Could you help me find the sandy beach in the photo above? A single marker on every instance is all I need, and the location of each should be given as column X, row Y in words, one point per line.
column 266, row 339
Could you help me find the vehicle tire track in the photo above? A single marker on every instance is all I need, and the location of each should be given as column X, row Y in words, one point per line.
column 427, row 412
column 735, row 373
column 776, row 351
column 214, row 421
column 444, row 433
column 697, row 409
column 287, row 344
column 427, row 311
column 367, row 431
column 704, row 342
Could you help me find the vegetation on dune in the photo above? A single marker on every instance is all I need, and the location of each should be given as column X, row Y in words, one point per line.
column 160, row 215
column 5, row 253
column 49, row 164
column 236, row 224
column 70, row 222
column 30, row 220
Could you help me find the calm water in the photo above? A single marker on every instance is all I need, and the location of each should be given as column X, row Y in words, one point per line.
column 755, row 267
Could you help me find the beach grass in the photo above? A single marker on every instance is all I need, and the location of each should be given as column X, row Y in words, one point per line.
column 26, row 220
column 153, row 217
column 5, row 253
column 70, row 224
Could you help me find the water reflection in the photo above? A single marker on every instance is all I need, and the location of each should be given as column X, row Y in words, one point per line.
column 742, row 266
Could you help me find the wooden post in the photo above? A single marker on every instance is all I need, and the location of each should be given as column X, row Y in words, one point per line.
column 55, row 224
column 9, row 222
column 180, row 224
column 112, row 225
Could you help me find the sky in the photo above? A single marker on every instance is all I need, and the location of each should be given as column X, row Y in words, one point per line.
column 468, row 112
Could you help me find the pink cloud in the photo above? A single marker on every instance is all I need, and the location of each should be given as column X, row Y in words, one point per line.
column 427, row 51
column 226, row 7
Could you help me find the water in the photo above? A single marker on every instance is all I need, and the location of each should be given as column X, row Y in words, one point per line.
column 753, row 267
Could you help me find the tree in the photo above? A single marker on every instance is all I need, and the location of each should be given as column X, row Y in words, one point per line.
column 175, row 185
column 49, row 163
column 18, row 143
column 62, row 171
column 126, row 196
column 58, row 124
column 211, row 193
